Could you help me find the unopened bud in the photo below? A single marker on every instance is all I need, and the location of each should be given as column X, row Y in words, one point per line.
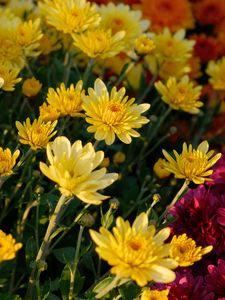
column 39, row 189
column 42, row 265
column 87, row 220
column 159, row 169
column 173, row 130
column 114, row 203
column 119, row 158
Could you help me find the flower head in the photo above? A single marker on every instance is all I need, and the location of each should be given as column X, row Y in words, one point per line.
column 31, row 87
column 37, row 134
column 112, row 114
column 7, row 161
column 48, row 113
column 99, row 43
column 174, row 14
column 216, row 278
column 180, row 95
column 144, row 45
column 209, row 11
column 70, row 16
column 72, row 168
column 185, row 251
column 9, row 76
column 67, row 101
column 121, row 17
column 8, row 246
column 136, row 251
column 216, row 71
column 201, row 214
column 159, row 169
column 192, row 164
column 155, row 295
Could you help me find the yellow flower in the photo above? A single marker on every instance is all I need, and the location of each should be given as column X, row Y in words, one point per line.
column 1, row 82
column 8, row 246
column 48, row 113
column 7, row 161
column 112, row 114
column 144, row 45
column 68, row 101
column 159, row 169
column 31, row 87
column 122, row 18
column 136, row 251
column 171, row 54
column 9, row 76
column 70, row 16
column 185, row 251
column 180, row 95
column 20, row 7
column 72, row 168
column 37, row 134
column 119, row 158
column 27, row 36
column 216, row 71
column 192, row 164
column 155, row 295
column 99, row 43
column 49, row 43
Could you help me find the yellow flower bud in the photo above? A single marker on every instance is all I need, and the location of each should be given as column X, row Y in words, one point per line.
column 144, row 45
column 119, row 158
column 105, row 163
column 31, row 87
column 159, row 169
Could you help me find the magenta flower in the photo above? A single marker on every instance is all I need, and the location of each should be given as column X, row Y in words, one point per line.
column 216, row 278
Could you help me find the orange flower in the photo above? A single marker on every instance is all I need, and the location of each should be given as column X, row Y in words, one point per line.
column 209, row 11
column 174, row 14
column 206, row 47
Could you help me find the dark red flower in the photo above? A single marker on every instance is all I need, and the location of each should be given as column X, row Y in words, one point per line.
column 206, row 47
column 200, row 214
column 216, row 278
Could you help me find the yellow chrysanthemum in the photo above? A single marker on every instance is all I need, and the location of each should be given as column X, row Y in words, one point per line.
column 185, row 251
column 216, row 71
column 48, row 113
column 70, row 16
column 99, row 43
column 31, row 87
column 49, row 43
column 136, row 251
column 192, row 164
column 172, row 51
column 144, row 45
column 67, row 101
column 112, row 114
column 159, row 169
column 121, row 17
column 37, row 134
column 72, row 168
column 155, row 295
column 27, row 36
column 8, row 246
column 9, row 75
column 181, row 95
column 7, row 161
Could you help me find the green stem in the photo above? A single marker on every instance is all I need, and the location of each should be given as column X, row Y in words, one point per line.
column 43, row 251
column 148, row 89
column 75, row 264
column 88, row 71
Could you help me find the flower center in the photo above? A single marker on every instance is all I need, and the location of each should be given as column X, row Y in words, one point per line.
column 135, row 245
column 117, row 25
column 115, row 107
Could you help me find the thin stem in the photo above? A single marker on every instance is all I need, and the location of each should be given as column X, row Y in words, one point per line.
column 87, row 71
column 148, row 89
column 42, row 253
column 75, row 264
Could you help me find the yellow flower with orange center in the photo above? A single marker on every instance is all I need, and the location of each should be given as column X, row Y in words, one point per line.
column 216, row 71
column 67, row 101
column 136, row 252
column 8, row 246
column 185, row 251
column 144, row 45
column 36, row 134
column 7, row 161
column 112, row 114
column 72, row 167
column 181, row 95
column 31, row 87
column 99, row 43
column 192, row 164
column 155, row 295
column 70, row 16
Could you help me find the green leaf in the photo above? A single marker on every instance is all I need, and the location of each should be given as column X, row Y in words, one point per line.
column 103, row 284
column 65, row 255
column 6, row 296
column 129, row 291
